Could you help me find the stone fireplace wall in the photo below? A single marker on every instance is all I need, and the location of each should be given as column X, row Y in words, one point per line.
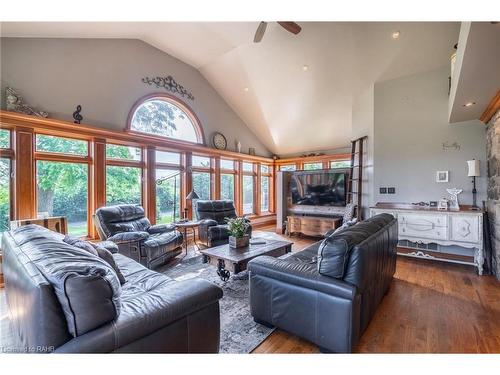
column 493, row 202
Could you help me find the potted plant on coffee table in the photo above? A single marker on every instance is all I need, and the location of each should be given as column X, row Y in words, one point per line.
column 238, row 232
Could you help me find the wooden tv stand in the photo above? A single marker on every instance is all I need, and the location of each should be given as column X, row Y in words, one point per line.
column 314, row 226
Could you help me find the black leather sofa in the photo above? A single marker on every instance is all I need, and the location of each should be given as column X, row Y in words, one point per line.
column 329, row 292
column 212, row 215
column 127, row 226
column 63, row 299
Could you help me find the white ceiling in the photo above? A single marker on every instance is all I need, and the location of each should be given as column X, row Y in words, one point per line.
column 477, row 77
column 289, row 109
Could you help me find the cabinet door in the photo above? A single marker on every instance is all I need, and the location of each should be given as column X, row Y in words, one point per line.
column 465, row 228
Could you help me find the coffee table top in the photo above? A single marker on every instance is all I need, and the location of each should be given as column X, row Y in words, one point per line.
column 244, row 253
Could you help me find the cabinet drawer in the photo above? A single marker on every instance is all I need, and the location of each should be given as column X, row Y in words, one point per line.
column 423, row 230
column 424, row 220
column 465, row 228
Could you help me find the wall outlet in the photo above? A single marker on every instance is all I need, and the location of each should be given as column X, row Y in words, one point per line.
column 383, row 190
column 391, row 190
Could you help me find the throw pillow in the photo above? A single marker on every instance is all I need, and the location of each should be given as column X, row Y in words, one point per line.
column 84, row 245
column 349, row 212
column 106, row 255
column 334, row 251
column 346, row 225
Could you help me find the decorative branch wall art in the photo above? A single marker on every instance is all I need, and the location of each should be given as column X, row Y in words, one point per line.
column 169, row 84
column 15, row 103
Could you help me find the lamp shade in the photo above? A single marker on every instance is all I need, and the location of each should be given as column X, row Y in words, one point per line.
column 192, row 195
column 473, row 168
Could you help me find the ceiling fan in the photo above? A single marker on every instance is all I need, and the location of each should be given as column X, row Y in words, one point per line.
column 291, row 27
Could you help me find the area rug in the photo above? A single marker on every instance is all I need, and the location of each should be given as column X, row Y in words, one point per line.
column 239, row 333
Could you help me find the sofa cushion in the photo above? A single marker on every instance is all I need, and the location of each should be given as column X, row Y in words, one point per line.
column 87, row 287
column 106, row 255
column 334, row 251
column 151, row 300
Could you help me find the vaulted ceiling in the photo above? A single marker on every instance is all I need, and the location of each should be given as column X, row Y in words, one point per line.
column 290, row 108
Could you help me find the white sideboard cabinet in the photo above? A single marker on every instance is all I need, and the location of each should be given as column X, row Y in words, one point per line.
column 433, row 234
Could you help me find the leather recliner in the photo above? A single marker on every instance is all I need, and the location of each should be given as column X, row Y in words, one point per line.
column 149, row 313
column 213, row 230
column 127, row 226
column 332, row 312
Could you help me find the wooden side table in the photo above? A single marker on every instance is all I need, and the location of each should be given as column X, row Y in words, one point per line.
column 183, row 227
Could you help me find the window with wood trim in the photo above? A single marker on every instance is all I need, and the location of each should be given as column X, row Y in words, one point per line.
column 201, row 184
column 5, row 180
column 123, row 175
column 227, row 179
column 5, row 196
column 340, row 164
column 62, row 190
column 168, row 195
column 5, row 138
column 169, row 179
column 312, row 166
column 167, row 117
column 287, row 167
column 248, row 188
column 62, row 180
column 265, row 184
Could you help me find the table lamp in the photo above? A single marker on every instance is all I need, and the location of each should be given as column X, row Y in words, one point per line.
column 474, row 172
column 190, row 197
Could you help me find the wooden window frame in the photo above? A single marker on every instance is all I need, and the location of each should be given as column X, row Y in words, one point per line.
column 270, row 175
column 8, row 153
column 112, row 162
column 256, row 190
column 58, row 157
column 200, row 135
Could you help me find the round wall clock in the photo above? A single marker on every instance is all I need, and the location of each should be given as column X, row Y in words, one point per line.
column 219, row 141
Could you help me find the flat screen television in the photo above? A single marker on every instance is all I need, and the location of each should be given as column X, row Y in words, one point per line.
column 318, row 188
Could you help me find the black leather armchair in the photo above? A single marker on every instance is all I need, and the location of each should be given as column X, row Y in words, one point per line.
column 126, row 225
column 212, row 214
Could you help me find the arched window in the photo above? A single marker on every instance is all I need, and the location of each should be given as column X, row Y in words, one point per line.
column 165, row 116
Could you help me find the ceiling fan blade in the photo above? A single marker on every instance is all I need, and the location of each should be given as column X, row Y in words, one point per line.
column 259, row 34
column 292, row 27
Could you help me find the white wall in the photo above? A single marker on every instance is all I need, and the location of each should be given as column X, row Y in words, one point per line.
column 411, row 123
column 362, row 125
column 104, row 76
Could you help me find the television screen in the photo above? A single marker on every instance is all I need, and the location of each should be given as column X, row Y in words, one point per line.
column 318, row 188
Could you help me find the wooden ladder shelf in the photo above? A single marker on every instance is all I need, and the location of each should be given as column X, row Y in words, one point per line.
column 355, row 183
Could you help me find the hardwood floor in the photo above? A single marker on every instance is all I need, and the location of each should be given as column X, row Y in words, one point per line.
column 431, row 307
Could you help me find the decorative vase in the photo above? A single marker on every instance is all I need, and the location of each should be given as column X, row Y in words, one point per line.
column 236, row 242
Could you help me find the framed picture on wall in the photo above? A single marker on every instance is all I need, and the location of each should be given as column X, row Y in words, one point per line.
column 442, row 176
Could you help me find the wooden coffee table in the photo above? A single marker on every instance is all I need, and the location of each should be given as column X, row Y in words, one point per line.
column 227, row 259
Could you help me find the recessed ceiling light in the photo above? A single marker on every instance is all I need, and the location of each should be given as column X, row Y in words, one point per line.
column 245, row 89
column 396, row 34
column 305, row 68
column 469, row 104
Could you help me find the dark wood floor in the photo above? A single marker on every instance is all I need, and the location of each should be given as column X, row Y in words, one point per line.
column 431, row 307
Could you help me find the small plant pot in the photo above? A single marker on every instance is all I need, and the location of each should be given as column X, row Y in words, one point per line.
column 236, row 242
